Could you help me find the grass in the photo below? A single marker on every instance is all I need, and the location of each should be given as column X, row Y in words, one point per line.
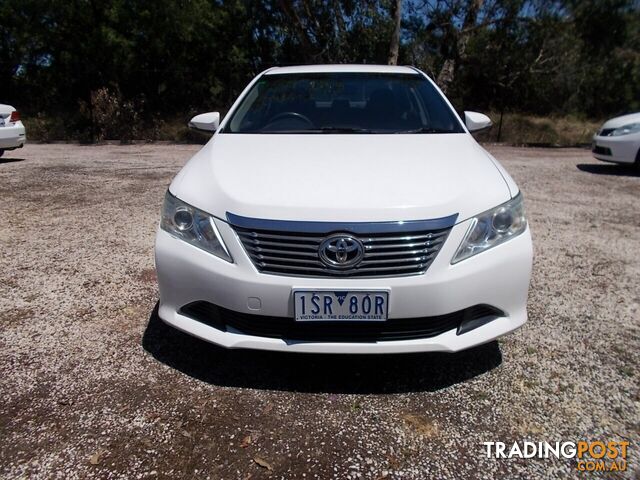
column 43, row 129
column 517, row 129
column 626, row 370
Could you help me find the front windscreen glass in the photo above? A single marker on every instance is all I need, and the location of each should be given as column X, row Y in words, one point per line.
column 343, row 103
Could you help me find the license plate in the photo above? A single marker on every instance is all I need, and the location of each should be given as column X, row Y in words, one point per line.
column 330, row 305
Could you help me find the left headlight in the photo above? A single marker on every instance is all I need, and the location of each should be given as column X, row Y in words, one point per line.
column 626, row 130
column 492, row 228
column 193, row 226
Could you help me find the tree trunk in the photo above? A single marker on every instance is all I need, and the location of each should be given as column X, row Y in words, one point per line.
column 394, row 47
column 447, row 74
column 445, row 77
column 499, row 136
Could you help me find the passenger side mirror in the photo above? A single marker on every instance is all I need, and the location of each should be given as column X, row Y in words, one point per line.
column 205, row 122
column 476, row 122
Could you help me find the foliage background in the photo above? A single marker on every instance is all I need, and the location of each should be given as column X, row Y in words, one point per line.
column 96, row 69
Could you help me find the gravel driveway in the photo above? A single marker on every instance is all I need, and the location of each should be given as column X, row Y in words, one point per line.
column 95, row 386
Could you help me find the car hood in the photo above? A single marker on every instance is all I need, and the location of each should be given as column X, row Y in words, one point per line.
column 343, row 178
column 622, row 121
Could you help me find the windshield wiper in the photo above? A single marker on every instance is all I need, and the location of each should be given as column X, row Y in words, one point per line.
column 341, row 130
column 425, row 130
column 353, row 130
column 318, row 130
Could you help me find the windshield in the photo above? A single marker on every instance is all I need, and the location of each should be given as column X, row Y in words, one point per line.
column 343, row 103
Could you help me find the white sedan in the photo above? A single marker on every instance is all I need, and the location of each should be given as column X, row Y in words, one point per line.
column 12, row 132
column 343, row 209
column 618, row 140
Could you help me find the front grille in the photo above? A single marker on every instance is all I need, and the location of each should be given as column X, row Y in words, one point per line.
column 386, row 254
column 601, row 150
column 332, row 331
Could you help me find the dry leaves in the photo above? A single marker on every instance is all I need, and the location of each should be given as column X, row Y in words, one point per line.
column 97, row 457
column 421, row 425
column 263, row 463
column 246, row 441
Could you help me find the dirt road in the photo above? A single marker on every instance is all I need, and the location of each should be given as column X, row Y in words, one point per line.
column 95, row 386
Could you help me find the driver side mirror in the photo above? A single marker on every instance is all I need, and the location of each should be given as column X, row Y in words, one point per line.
column 476, row 122
column 205, row 122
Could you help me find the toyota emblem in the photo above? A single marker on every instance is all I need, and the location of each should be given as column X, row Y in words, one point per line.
column 341, row 251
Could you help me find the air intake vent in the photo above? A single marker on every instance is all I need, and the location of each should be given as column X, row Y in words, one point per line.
column 332, row 331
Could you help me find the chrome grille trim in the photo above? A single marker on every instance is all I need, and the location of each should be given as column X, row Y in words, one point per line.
column 387, row 252
column 352, row 227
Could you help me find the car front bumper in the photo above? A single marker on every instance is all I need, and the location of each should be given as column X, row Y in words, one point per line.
column 498, row 277
column 621, row 149
column 13, row 136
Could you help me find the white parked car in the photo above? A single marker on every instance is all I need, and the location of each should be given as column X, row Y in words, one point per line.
column 618, row 140
column 343, row 209
column 12, row 133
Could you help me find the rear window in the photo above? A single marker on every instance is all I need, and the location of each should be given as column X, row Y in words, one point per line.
column 343, row 103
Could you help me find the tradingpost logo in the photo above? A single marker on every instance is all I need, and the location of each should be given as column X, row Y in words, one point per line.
column 597, row 456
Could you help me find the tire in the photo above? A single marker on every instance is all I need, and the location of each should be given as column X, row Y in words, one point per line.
column 1, row 152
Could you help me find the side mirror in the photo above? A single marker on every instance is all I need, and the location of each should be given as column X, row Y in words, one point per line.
column 205, row 122
column 476, row 122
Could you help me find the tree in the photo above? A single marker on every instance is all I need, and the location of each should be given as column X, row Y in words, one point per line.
column 394, row 47
column 168, row 59
column 460, row 39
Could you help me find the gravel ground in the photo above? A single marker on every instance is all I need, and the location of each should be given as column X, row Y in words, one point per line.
column 95, row 386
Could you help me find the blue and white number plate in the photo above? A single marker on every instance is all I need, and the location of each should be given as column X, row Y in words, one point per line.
column 339, row 305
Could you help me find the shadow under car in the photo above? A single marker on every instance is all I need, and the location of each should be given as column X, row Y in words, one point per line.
column 314, row 373
column 616, row 169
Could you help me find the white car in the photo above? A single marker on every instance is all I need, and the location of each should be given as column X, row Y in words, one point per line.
column 343, row 209
column 618, row 140
column 12, row 133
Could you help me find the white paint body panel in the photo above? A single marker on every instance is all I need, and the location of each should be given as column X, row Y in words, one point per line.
column 499, row 277
column 345, row 178
column 624, row 148
column 342, row 177
column 207, row 122
column 12, row 134
column 346, row 68
column 475, row 121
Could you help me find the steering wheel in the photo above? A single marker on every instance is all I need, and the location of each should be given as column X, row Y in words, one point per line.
column 296, row 115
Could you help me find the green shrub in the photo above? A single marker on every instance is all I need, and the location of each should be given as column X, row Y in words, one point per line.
column 111, row 117
column 518, row 129
column 45, row 129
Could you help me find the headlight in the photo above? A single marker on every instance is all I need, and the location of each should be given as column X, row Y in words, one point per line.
column 493, row 228
column 626, row 130
column 193, row 226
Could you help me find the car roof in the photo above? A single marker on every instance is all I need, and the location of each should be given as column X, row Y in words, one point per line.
column 341, row 69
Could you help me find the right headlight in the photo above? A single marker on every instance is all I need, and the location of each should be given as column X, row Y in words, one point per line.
column 626, row 129
column 193, row 226
column 492, row 228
